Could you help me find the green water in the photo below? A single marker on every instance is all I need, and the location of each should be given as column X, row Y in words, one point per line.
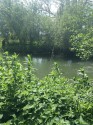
column 69, row 67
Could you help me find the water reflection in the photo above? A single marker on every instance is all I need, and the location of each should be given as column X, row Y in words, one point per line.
column 37, row 60
column 69, row 63
column 68, row 67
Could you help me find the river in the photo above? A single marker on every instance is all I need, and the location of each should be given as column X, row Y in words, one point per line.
column 69, row 67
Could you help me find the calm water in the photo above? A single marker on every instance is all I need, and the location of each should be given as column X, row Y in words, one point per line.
column 43, row 66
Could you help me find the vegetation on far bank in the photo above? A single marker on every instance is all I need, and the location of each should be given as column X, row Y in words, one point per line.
column 32, row 27
column 53, row 100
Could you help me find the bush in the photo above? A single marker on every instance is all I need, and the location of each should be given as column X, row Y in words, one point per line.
column 53, row 100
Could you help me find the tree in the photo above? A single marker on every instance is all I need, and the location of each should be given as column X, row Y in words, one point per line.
column 75, row 20
column 13, row 15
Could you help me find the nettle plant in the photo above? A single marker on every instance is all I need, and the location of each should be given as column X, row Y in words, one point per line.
column 53, row 100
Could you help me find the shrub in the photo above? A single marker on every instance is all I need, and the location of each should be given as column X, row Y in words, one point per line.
column 53, row 100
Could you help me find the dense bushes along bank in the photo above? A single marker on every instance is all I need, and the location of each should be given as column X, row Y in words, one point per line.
column 53, row 100
column 31, row 26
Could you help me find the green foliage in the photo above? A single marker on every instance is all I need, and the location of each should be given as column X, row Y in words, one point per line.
column 74, row 27
column 36, row 28
column 53, row 100
column 83, row 45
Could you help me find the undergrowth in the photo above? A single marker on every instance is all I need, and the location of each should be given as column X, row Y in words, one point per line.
column 53, row 100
